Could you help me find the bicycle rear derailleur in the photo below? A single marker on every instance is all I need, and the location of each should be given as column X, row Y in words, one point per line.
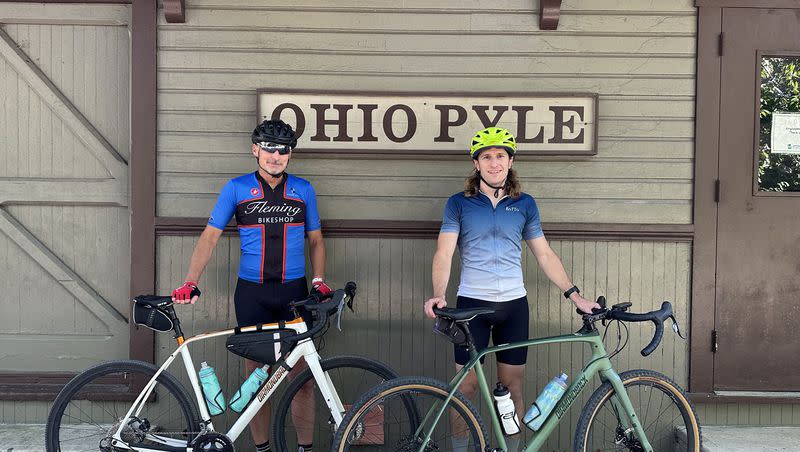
column 212, row 442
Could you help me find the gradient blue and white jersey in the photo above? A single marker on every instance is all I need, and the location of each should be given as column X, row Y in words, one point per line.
column 490, row 243
column 272, row 224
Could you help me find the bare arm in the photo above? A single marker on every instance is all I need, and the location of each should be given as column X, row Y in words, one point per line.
column 440, row 271
column 202, row 255
column 316, row 252
column 551, row 264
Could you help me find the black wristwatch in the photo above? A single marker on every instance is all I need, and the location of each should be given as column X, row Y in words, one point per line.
column 570, row 291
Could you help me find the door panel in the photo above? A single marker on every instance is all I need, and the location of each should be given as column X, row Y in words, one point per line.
column 64, row 221
column 758, row 250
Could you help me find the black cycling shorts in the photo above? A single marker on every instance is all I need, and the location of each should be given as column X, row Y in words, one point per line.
column 509, row 323
column 269, row 302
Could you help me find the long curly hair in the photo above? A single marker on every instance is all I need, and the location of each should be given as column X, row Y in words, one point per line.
column 512, row 187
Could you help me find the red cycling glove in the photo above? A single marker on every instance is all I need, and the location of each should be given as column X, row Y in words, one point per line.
column 318, row 286
column 186, row 292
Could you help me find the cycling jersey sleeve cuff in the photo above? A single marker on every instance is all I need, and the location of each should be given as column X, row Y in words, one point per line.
column 533, row 235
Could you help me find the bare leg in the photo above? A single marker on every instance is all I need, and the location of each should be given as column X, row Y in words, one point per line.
column 303, row 407
column 458, row 428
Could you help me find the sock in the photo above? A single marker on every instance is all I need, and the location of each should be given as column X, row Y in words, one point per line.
column 512, row 442
column 263, row 447
column 305, row 447
column 460, row 443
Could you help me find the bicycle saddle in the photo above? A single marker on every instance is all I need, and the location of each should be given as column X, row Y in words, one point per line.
column 461, row 315
column 154, row 301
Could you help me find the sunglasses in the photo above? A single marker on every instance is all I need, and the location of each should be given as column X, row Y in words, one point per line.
column 282, row 149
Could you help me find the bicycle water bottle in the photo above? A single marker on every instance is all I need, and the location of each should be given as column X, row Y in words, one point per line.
column 248, row 389
column 215, row 399
column 505, row 408
column 545, row 403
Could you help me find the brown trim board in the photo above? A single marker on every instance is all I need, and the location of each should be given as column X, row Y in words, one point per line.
column 430, row 229
column 143, row 165
column 68, row 1
column 701, row 358
column 748, row 3
column 45, row 386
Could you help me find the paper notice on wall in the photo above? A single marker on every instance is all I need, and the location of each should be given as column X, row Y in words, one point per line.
column 785, row 133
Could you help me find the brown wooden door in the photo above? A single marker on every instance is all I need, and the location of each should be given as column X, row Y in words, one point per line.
column 758, row 249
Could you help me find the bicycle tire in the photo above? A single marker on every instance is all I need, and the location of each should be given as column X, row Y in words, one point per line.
column 372, row 373
column 642, row 387
column 96, row 393
column 401, row 437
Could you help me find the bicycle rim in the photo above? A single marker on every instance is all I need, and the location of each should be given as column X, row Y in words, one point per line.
column 383, row 422
column 351, row 376
column 91, row 408
column 660, row 405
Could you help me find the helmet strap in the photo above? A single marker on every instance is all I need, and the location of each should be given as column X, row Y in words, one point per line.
column 496, row 189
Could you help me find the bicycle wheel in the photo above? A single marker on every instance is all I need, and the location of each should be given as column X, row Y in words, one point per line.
column 90, row 408
column 659, row 403
column 351, row 376
column 381, row 419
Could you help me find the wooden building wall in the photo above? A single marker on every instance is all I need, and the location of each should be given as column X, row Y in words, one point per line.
column 639, row 60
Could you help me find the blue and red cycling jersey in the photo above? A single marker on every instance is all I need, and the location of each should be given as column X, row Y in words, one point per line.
column 272, row 224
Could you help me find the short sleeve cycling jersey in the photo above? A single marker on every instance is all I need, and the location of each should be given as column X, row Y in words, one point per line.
column 272, row 224
column 490, row 243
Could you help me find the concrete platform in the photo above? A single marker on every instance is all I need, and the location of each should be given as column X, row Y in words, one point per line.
column 22, row 438
column 30, row 438
column 746, row 439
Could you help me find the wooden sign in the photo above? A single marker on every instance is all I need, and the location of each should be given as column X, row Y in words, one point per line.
column 432, row 125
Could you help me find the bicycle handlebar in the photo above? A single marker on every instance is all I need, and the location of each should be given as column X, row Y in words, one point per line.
column 657, row 317
column 619, row 312
column 315, row 303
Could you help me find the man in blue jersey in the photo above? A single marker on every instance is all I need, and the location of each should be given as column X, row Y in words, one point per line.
column 275, row 212
column 488, row 222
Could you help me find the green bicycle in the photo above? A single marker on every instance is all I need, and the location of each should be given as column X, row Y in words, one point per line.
column 636, row 410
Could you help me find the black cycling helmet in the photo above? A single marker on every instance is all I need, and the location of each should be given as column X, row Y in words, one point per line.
column 274, row 131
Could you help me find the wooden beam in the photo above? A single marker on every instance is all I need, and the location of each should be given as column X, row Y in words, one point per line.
column 144, row 115
column 549, row 13
column 70, row 191
column 748, row 3
column 175, row 11
column 430, row 229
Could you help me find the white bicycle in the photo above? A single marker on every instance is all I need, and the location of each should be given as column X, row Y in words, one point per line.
column 94, row 410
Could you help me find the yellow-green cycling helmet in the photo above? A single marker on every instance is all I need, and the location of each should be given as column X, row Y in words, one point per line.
column 493, row 137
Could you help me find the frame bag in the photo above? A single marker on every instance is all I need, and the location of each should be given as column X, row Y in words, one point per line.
column 265, row 347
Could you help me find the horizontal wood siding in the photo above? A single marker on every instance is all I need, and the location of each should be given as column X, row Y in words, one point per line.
column 639, row 59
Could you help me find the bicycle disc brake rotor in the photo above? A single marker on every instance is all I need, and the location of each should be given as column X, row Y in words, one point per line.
column 212, row 442
column 627, row 440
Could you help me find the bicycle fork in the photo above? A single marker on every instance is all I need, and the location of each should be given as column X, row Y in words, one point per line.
column 623, row 409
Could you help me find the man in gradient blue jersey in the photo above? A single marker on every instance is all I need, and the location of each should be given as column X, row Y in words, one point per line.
column 488, row 222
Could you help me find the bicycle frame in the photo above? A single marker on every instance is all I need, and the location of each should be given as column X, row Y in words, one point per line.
column 305, row 349
column 598, row 364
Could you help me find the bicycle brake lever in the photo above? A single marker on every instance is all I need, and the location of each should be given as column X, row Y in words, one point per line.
column 339, row 310
column 676, row 328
